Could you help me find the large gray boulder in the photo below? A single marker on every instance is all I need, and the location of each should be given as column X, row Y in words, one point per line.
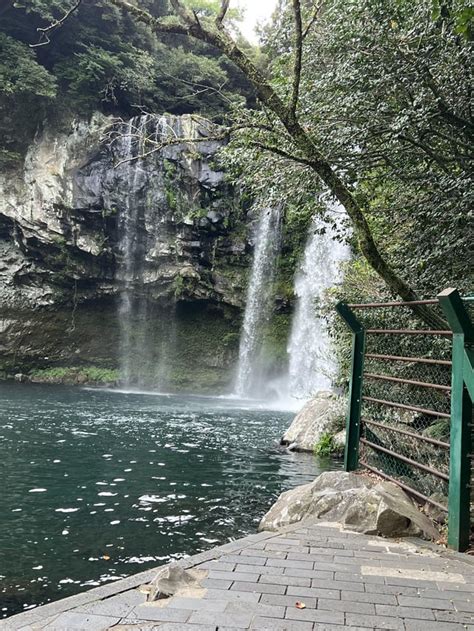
column 317, row 417
column 357, row 502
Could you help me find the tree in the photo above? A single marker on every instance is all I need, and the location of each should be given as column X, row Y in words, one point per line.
column 285, row 125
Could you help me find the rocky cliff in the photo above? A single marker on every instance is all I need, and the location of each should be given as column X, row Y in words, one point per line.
column 97, row 246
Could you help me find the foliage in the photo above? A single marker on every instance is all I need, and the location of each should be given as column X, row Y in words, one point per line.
column 325, row 445
column 101, row 59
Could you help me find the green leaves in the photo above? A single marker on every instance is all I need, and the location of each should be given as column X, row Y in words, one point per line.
column 20, row 74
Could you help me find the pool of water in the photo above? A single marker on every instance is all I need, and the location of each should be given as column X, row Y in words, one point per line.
column 98, row 485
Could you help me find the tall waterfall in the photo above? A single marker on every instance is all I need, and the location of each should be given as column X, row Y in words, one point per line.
column 311, row 367
column 137, row 361
column 258, row 304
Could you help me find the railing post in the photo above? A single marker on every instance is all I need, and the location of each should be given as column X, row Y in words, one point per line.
column 351, row 452
column 461, row 416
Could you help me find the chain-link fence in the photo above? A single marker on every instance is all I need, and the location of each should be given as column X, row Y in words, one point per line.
column 400, row 399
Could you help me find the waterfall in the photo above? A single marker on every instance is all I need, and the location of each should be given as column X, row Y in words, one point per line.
column 258, row 304
column 137, row 358
column 311, row 367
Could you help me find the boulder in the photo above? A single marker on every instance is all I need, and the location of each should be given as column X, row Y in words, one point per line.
column 357, row 502
column 174, row 580
column 339, row 442
column 317, row 417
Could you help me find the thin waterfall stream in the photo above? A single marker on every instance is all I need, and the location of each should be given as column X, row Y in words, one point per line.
column 133, row 311
column 258, row 304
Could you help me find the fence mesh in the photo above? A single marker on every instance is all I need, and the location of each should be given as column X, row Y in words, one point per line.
column 406, row 403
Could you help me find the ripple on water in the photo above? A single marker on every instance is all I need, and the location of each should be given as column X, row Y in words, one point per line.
column 214, row 492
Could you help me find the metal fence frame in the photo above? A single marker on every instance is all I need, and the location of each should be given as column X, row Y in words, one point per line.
column 461, row 405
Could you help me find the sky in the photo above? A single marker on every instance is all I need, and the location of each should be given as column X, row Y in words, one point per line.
column 255, row 11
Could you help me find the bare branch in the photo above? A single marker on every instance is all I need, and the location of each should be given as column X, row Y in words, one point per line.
column 222, row 12
column 298, row 59
column 283, row 154
column 46, row 31
column 312, row 19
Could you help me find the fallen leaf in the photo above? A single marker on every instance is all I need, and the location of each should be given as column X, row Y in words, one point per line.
column 106, row 557
column 300, row 605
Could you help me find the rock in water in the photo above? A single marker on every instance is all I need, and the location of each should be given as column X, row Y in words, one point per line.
column 317, row 417
column 357, row 502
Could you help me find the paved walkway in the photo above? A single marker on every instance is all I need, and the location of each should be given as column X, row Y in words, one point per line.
column 345, row 580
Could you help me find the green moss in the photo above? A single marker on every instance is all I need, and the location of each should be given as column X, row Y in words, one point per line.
column 325, row 445
column 72, row 374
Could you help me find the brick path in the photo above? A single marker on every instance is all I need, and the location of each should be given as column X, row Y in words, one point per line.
column 345, row 580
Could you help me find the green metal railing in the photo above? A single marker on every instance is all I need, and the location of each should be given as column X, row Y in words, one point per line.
column 410, row 405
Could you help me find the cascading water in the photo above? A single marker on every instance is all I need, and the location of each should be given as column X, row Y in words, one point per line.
column 137, row 361
column 258, row 304
column 311, row 367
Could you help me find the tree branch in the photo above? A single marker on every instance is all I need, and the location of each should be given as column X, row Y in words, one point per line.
column 46, row 31
column 298, row 58
column 313, row 19
column 282, row 153
column 155, row 24
column 222, row 12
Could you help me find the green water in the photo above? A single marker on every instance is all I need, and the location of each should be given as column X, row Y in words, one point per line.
column 139, row 478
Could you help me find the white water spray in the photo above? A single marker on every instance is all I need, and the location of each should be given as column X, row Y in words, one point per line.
column 311, row 366
column 258, row 305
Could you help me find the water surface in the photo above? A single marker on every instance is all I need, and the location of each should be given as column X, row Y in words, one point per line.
column 98, row 485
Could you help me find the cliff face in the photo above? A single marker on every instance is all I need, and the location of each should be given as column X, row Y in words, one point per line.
column 94, row 245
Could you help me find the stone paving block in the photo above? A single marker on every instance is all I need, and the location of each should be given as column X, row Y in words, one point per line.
column 288, row 563
column 176, row 626
column 351, row 576
column 346, row 605
column 340, row 585
column 464, row 605
column 271, row 624
column 389, row 589
column 286, row 580
column 152, row 612
column 429, row 625
column 458, row 587
column 71, row 620
column 315, row 615
column 218, row 565
column 238, row 620
column 261, row 588
column 258, row 609
column 299, row 556
column 213, row 583
column 379, row 622
column 454, row 616
column 197, row 604
column 270, row 554
column 427, row 603
column 119, row 605
column 245, row 559
column 405, row 612
column 333, row 567
column 318, row 592
column 286, row 601
column 294, row 571
column 409, row 582
column 232, row 595
column 233, row 576
column 366, row 597
column 260, row 569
